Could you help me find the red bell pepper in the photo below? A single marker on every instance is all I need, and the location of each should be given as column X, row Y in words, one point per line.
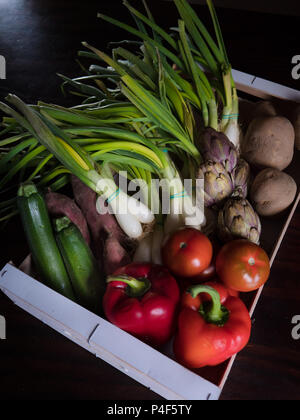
column 212, row 326
column 142, row 299
column 188, row 301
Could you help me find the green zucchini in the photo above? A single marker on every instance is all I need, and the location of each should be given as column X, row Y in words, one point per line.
column 81, row 265
column 41, row 240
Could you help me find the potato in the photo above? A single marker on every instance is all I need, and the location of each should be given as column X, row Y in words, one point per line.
column 291, row 110
column 272, row 192
column 248, row 111
column 264, row 109
column 296, row 123
column 269, row 143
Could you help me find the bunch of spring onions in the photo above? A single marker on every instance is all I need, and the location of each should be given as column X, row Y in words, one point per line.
column 78, row 141
column 188, row 67
column 192, row 60
column 137, row 126
column 77, row 160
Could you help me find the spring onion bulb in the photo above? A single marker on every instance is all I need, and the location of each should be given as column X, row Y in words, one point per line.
column 173, row 222
column 233, row 132
column 232, row 129
column 143, row 252
column 130, row 214
column 140, row 211
column 157, row 239
column 193, row 215
column 182, row 211
column 130, row 225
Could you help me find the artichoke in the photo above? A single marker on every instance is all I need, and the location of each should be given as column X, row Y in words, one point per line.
column 218, row 148
column 218, row 182
column 238, row 220
column 241, row 175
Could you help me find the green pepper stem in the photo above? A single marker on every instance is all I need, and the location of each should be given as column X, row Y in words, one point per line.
column 136, row 287
column 214, row 313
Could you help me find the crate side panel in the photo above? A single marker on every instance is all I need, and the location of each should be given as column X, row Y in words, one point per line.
column 157, row 369
column 264, row 89
column 48, row 305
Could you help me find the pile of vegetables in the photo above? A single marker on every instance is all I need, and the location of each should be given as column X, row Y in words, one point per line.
column 154, row 113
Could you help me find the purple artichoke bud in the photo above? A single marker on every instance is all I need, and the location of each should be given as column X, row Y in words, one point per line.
column 241, row 175
column 218, row 148
column 238, row 220
column 218, row 183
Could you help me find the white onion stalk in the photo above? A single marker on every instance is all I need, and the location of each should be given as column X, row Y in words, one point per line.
column 128, row 222
column 130, row 225
column 117, row 202
column 143, row 252
column 174, row 219
column 129, row 212
column 157, row 240
column 232, row 129
column 173, row 222
column 193, row 215
column 140, row 211
column 233, row 132
column 182, row 211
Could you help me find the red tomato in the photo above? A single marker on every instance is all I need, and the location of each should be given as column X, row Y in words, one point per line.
column 243, row 265
column 210, row 272
column 187, row 252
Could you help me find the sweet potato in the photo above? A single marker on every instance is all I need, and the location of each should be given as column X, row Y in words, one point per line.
column 60, row 205
column 114, row 255
column 108, row 238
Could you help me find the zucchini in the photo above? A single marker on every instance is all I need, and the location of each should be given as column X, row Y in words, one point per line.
column 41, row 240
column 81, row 265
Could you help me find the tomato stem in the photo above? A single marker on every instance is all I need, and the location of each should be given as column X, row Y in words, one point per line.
column 251, row 261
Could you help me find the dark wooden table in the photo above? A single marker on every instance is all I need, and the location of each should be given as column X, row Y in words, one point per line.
column 39, row 39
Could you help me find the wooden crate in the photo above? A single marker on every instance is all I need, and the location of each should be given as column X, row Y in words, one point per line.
column 154, row 369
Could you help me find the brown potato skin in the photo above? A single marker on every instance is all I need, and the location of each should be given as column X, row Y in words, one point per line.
column 296, row 123
column 269, row 143
column 264, row 109
column 272, row 192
